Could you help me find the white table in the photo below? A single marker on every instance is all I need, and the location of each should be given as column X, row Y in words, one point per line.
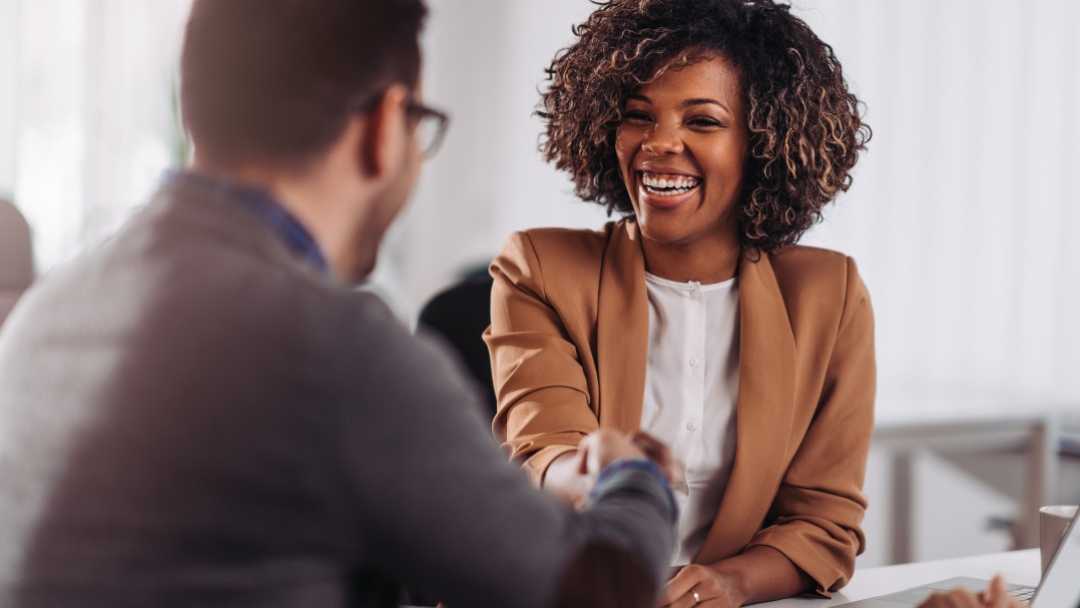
column 931, row 418
column 1018, row 567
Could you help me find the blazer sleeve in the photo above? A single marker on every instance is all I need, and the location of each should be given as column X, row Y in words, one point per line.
column 543, row 405
column 819, row 506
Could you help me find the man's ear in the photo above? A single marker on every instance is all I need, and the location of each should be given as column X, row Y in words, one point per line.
column 385, row 135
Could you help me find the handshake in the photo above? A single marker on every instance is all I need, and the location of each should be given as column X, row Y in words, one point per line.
column 572, row 475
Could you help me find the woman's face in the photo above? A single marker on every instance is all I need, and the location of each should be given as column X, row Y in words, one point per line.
column 681, row 147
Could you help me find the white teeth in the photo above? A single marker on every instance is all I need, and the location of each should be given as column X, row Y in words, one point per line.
column 668, row 186
column 665, row 192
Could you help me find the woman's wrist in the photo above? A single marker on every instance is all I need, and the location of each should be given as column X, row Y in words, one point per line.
column 563, row 480
column 762, row 574
column 734, row 578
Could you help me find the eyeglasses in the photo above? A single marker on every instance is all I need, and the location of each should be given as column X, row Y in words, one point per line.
column 431, row 124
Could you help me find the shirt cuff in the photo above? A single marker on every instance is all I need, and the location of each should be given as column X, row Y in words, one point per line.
column 635, row 474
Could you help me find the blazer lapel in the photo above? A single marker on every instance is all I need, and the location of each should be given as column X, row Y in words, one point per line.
column 622, row 330
column 763, row 411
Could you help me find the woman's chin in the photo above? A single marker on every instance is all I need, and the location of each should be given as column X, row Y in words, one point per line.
column 662, row 230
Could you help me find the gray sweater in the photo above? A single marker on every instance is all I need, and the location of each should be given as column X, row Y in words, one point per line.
column 190, row 415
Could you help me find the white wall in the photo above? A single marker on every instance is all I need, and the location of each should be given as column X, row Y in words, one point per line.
column 8, row 63
column 961, row 212
column 86, row 120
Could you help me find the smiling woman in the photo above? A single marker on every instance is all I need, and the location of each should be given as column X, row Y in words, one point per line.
column 720, row 129
column 681, row 148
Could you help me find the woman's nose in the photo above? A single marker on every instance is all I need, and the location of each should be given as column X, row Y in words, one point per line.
column 661, row 140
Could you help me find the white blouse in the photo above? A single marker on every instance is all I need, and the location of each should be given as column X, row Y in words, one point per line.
column 691, row 384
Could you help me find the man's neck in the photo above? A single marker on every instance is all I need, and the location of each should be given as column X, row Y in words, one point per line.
column 313, row 202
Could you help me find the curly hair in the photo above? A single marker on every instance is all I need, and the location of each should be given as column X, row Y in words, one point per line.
column 805, row 128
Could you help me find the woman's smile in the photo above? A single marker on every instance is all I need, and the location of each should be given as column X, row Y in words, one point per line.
column 667, row 190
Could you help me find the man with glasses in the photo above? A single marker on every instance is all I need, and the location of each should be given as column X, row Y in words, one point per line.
column 203, row 412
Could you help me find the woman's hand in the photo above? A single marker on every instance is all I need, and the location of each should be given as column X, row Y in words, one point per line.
column 660, row 453
column 697, row 585
column 997, row 596
column 759, row 574
column 572, row 475
column 603, row 447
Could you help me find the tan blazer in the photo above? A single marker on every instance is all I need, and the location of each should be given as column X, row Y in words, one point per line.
column 568, row 340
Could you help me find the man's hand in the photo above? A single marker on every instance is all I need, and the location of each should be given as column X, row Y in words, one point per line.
column 572, row 475
column 994, row 597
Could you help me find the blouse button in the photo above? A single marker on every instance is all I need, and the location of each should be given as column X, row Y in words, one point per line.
column 690, row 426
column 693, row 362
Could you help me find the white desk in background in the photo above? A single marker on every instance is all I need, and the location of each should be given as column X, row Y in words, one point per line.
column 1018, row 568
column 967, row 422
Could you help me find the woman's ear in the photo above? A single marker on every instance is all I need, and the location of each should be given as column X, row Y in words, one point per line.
column 385, row 135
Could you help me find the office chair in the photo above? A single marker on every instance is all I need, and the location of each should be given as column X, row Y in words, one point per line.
column 16, row 257
column 459, row 315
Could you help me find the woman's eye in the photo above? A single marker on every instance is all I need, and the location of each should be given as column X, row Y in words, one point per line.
column 636, row 117
column 705, row 123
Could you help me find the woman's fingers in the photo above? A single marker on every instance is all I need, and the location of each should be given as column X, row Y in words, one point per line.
column 680, row 585
column 692, row 580
column 583, row 459
column 652, row 446
column 661, row 454
column 606, row 446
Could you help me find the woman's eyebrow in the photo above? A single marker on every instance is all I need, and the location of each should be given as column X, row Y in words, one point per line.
column 699, row 101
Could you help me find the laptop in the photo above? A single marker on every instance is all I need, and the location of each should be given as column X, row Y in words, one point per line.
column 1060, row 587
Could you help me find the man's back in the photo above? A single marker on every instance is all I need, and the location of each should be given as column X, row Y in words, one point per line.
column 152, row 392
column 191, row 415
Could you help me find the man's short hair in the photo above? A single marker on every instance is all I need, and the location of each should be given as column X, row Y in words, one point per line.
column 274, row 81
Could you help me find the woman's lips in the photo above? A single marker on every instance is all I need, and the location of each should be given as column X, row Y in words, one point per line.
column 666, row 200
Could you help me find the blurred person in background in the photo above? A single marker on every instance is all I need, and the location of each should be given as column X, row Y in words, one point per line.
column 203, row 411
column 16, row 257
column 719, row 130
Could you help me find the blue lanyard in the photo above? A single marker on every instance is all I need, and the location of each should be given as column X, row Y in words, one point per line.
column 262, row 204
